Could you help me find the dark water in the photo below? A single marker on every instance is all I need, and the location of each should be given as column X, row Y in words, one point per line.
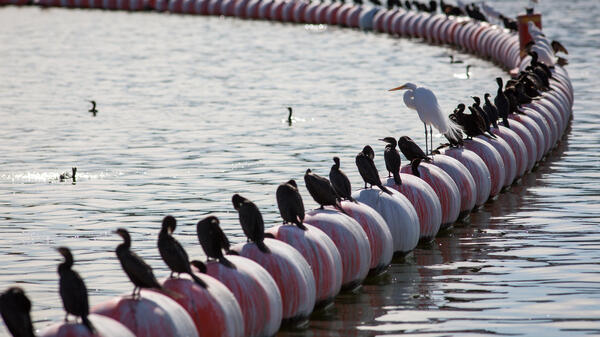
column 192, row 110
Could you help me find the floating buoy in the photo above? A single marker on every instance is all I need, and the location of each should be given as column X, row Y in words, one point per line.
column 552, row 117
column 353, row 19
column 151, row 315
column 241, row 8
column 463, row 180
column 342, row 15
column 350, row 240
column 534, row 130
column 255, row 291
column 365, row 21
column 321, row 254
column 547, row 131
column 492, row 160
column 201, row 7
column 299, row 11
column 291, row 273
column 330, row 13
column 105, row 327
column 506, row 155
column 445, row 188
column 517, row 146
column 477, row 168
column 214, row 309
column 378, row 233
column 425, row 203
column 309, row 12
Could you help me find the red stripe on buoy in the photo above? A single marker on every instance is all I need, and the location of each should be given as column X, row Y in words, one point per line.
column 506, row 155
column 463, row 180
column 350, row 240
column 151, row 315
column 517, row 146
column 321, row 254
column 105, row 326
column 492, row 160
column 214, row 309
column 255, row 291
column 291, row 273
column 477, row 168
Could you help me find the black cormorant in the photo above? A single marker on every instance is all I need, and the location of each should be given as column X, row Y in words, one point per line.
column 392, row 159
column 490, row 110
column 502, row 103
column 73, row 291
column 368, row 171
column 213, row 241
column 15, row 308
column 413, row 153
column 321, row 190
column 138, row 271
column 251, row 221
column 290, row 203
column 172, row 252
column 339, row 181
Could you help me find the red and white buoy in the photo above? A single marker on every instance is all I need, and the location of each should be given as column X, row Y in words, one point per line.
column 255, row 291
column 463, row 180
column 291, row 273
column 445, row 188
column 351, row 241
column 492, row 160
column 105, row 327
column 547, row 131
column 424, row 201
column 507, row 155
column 399, row 214
column 321, row 254
column 151, row 315
column 378, row 233
column 214, row 309
column 477, row 168
column 533, row 128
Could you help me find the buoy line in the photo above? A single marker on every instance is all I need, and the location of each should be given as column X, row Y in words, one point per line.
column 282, row 274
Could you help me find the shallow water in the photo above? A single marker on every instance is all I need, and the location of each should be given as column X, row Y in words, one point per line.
column 192, row 110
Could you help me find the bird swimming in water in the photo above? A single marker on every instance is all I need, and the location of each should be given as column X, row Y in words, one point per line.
column 392, row 159
column 15, row 309
column 213, row 241
column 413, row 153
column 173, row 253
column 321, row 190
column 290, row 203
column 339, row 181
column 251, row 221
column 138, row 271
column 425, row 103
column 452, row 60
column 73, row 291
column 69, row 175
column 290, row 120
column 93, row 109
column 368, row 170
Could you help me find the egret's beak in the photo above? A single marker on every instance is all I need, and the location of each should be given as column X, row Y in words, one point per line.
column 398, row 88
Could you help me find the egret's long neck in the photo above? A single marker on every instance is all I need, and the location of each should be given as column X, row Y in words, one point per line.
column 409, row 99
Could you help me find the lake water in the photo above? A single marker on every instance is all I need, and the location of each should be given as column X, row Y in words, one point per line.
column 192, row 110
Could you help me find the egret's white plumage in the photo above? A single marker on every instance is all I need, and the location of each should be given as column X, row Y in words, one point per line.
column 425, row 103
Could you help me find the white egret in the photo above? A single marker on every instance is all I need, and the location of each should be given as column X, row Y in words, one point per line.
column 424, row 101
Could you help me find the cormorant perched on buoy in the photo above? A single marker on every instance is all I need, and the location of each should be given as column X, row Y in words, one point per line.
column 368, row 171
column 72, row 290
column 138, row 271
column 321, row 190
column 490, row 110
column 213, row 241
column 375, row 2
column 15, row 308
column 392, row 159
column 450, row 9
column 472, row 124
column 502, row 104
column 251, row 221
column 69, row 175
column 474, row 12
column 509, row 23
column 290, row 203
column 339, row 181
column 413, row 153
column 93, row 109
column 477, row 108
column 172, row 253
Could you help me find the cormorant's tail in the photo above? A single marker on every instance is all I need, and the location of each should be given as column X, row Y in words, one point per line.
column 263, row 248
column 414, row 166
column 338, row 206
column 352, row 199
column 199, row 265
column 198, row 280
column 385, row 189
column 299, row 224
column 86, row 321
column 224, row 261
column 397, row 179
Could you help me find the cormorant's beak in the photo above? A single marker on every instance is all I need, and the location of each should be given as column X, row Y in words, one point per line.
column 398, row 88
